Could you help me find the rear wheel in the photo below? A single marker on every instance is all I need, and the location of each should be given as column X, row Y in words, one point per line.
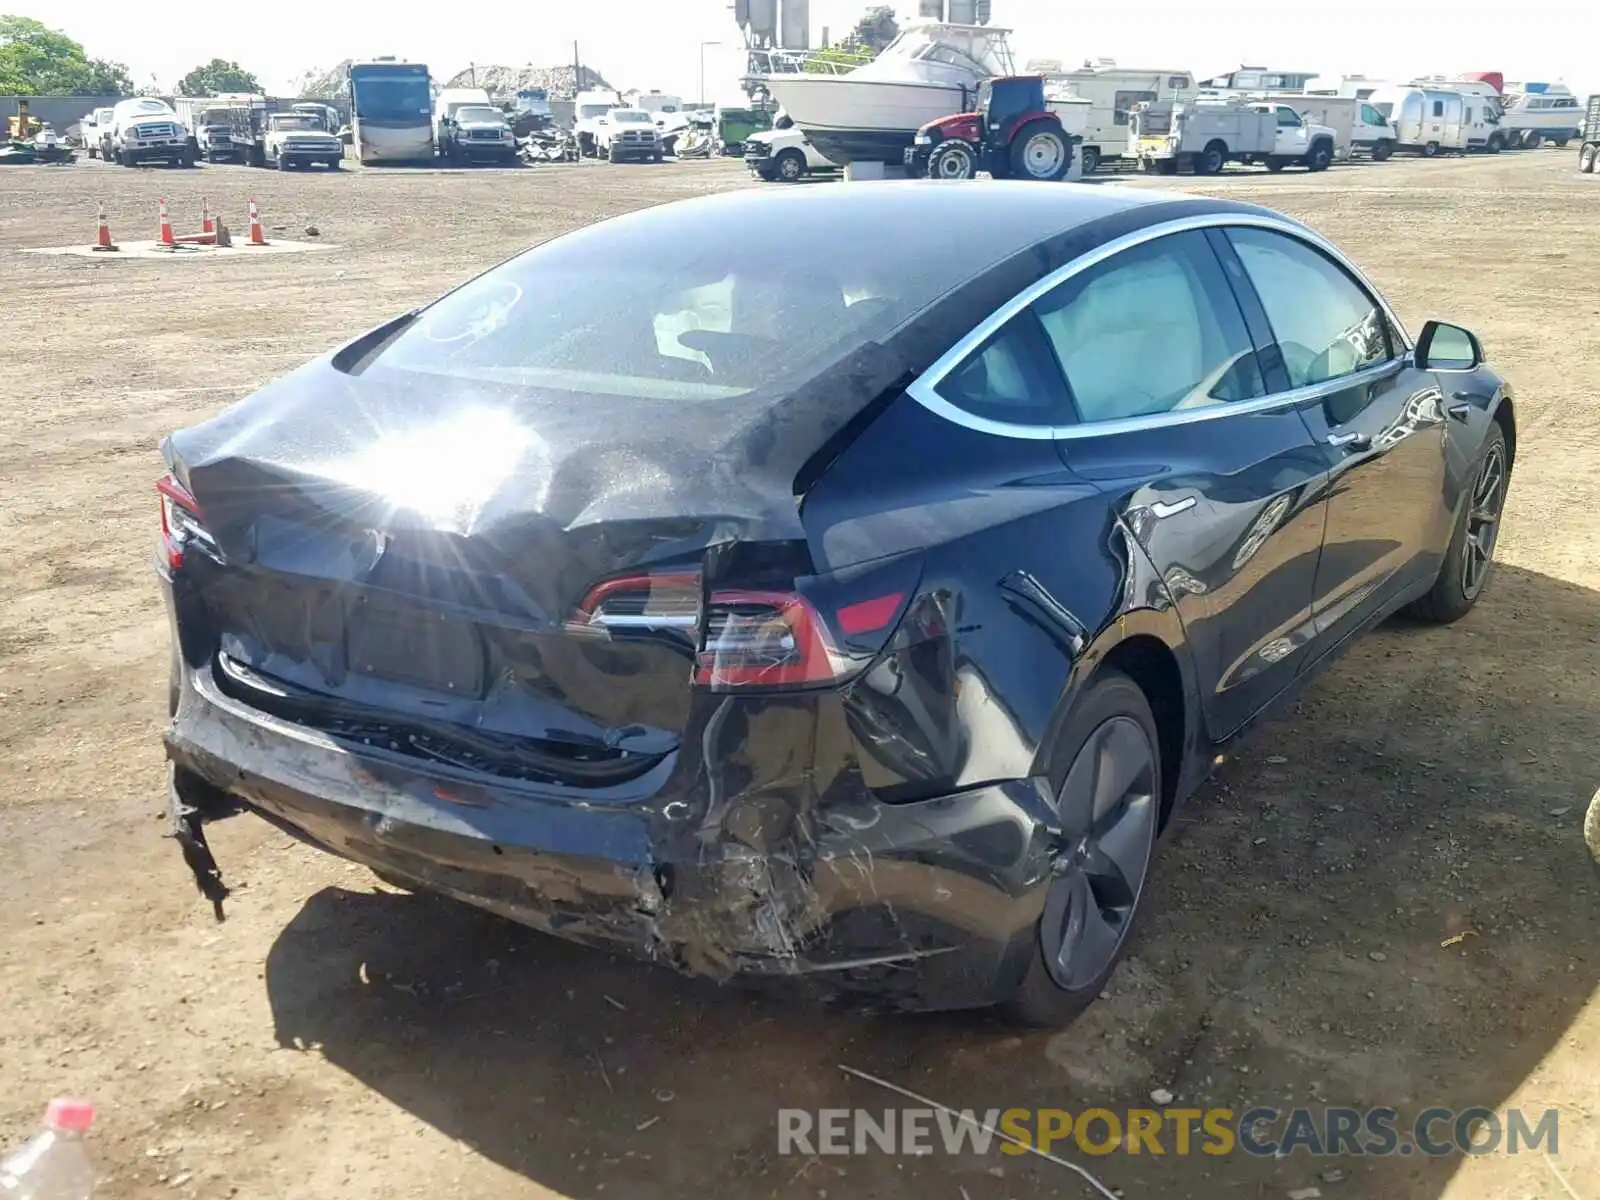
column 1107, row 783
column 1040, row 152
column 1471, row 553
column 1211, row 160
column 953, row 159
column 1382, row 149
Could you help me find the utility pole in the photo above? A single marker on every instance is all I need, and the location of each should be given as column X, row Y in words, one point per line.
column 577, row 72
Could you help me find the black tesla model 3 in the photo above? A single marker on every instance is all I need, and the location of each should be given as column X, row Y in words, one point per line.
column 840, row 584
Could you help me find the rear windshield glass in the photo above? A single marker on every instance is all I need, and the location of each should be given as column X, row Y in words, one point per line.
column 706, row 301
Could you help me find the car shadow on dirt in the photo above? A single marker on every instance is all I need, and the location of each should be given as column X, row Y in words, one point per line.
column 1382, row 899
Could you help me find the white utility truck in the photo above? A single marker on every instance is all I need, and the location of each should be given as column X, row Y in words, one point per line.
column 1206, row 136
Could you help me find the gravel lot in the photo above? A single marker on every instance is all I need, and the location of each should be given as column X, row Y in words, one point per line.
column 338, row 1038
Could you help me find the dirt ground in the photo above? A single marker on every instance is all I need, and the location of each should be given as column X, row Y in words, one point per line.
column 338, row 1038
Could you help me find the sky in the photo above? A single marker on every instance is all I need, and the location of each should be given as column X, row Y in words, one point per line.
column 658, row 43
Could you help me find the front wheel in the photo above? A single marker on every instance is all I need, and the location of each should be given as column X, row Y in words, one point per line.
column 791, row 166
column 952, row 159
column 1382, row 150
column 1430, row 150
column 1467, row 561
column 283, row 162
column 1319, row 157
column 1495, row 144
column 1040, row 152
column 1106, row 779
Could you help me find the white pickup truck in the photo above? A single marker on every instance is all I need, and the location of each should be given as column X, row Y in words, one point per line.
column 784, row 154
column 90, row 127
column 1206, row 136
column 298, row 139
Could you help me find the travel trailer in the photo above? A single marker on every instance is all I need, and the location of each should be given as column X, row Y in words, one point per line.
column 1429, row 120
column 1112, row 91
column 1258, row 79
column 873, row 112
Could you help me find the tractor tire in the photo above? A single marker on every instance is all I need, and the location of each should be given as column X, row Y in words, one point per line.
column 791, row 166
column 1091, row 158
column 1319, row 156
column 1382, row 150
column 1587, row 156
column 1212, row 159
column 1040, row 152
column 953, row 159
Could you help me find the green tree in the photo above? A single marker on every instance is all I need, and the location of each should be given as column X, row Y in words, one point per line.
column 217, row 76
column 39, row 61
column 876, row 29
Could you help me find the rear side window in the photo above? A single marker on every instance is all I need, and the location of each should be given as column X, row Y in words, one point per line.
column 1324, row 322
column 1011, row 378
column 1154, row 329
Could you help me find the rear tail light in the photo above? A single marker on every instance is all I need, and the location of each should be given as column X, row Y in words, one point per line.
column 180, row 520
column 825, row 631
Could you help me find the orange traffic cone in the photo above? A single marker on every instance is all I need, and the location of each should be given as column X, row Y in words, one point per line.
column 103, row 241
column 166, row 238
column 205, row 218
column 257, row 238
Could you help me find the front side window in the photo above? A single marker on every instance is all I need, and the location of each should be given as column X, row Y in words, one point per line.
column 1288, row 116
column 1370, row 115
column 1325, row 323
column 1152, row 330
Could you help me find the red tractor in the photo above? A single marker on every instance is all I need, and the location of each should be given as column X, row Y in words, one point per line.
column 1013, row 135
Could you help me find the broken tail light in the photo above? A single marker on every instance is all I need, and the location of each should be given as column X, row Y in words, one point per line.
column 825, row 630
column 180, row 520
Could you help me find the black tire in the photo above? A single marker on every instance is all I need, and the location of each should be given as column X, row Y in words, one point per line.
column 1091, row 158
column 1430, row 150
column 1095, row 892
column 953, row 159
column 1586, row 157
column 1040, row 152
column 186, row 159
column 1212, row 159
column 1495, row 144
column 790, row 166
column 1319, row 157
column 1276, row 164
column 1470, row 557
column 1382, row 150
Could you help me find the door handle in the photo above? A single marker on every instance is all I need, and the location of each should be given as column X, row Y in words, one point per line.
column 1161, row 509
column 1352, row 441
column 1461, row 410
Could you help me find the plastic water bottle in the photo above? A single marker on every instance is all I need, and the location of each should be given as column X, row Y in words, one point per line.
column 53, row 1166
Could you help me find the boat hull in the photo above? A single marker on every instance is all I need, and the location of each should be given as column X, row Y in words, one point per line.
column 856, row 120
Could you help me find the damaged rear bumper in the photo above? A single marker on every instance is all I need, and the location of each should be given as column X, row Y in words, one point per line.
column 920, row 905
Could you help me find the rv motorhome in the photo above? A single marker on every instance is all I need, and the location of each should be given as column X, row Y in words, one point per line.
column 1112, row 91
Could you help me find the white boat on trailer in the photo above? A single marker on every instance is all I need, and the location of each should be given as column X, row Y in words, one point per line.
column 871, row 114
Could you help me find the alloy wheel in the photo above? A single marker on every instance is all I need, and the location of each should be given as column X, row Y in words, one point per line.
column 1483, row 521
column 1107, row 807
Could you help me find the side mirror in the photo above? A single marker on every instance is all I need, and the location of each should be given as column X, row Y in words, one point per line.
column 1447, row 348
